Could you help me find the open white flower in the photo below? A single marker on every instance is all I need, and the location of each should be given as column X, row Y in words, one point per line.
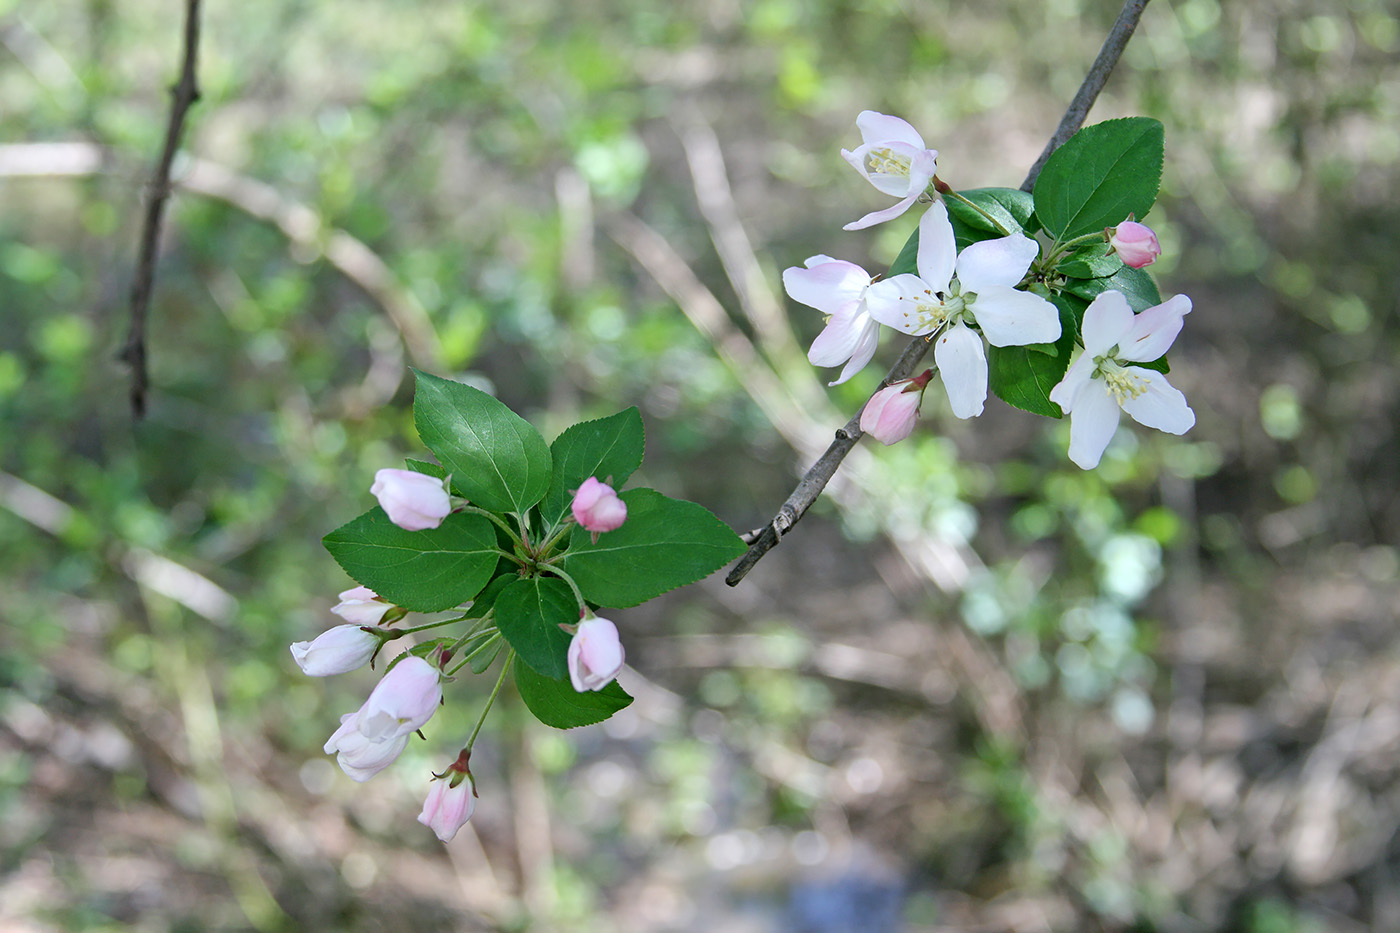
column 954, row 290
column 837, row 289
column 1101, row 382
column 892, row 157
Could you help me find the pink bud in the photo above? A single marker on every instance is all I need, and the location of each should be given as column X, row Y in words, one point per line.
column 413, row 501
column 595, row 654
column 597, row 508
column 404, row 699
column 357, row 756
column 1135, row 243
column 360, row 606
column 335, row 651
column 449, row 804
column 890, row 414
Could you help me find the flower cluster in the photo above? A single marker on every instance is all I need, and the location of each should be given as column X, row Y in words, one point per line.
column 1004, row 291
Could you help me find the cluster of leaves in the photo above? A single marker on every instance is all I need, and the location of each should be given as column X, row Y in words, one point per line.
column 513, row 561
column 1103, row 174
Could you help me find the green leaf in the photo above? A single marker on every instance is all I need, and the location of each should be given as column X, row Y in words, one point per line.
column 608, row 447
column 424, row 571
column 1022, row 377
column 1012, row 208
column 907, row 262
column 1135, row 284
column 529, row 613
column 497, row 460
column 1090, row 262
column 482, row 661
column 485, row 601
column 556, row 703
column 426, row 468
column 1101, row 175
column 665, row 543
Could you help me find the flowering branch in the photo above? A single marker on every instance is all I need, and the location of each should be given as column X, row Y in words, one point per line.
column 764, row 539
column 183, row 95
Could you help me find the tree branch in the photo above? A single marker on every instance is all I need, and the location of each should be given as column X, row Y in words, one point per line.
column 183, row 95
column 764, row 539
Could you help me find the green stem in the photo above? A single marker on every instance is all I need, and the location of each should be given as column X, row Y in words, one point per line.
column 978, row 208
column 554, row 538
column 1058, row 249
column 493, row 636
column 559, row 572
column 510, row 656
column 500, row 522
column 400, row 632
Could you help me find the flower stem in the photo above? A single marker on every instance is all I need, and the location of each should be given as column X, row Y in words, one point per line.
column 510, row 656
column 554, row 537
column 400, row 632
column 978, row 208
column 500, row 522
column 559, row 572
column 467, row 658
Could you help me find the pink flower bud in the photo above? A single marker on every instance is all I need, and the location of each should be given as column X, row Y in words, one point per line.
column 357, row 756
column 449, row 805
column 335, row 651
column 595, row 654
column 413, row 501
column 890, row 414
column 1135, row 243
column 360, row 606
column 402, row 701
column 597, row 508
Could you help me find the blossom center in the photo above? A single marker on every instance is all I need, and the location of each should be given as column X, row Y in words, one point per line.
column 887, row 162
column 929, row 313
column 1122, row 383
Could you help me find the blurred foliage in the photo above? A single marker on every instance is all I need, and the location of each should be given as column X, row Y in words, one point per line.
column 1157, row 699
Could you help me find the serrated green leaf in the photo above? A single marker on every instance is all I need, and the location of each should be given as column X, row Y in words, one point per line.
column 426, row 468
column 556, row 703
column 529, row 613
column 665, row 543
column 1090, row 262
column 425, row 571
column 1101, row 175
column 1012, row 208
column 1135, row 284
column 607, row 447
column 485, row 601
column 498, row 461
column 1021, row 377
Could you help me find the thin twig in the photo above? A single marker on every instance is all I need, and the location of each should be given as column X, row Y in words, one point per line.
column 763, row 540
column 183, row 95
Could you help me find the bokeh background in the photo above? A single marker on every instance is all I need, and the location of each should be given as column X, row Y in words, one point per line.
column 977, row 688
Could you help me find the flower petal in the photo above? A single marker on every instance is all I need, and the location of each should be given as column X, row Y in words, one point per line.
column 1067, row 389
column 826, row 286
column 937, row 249
column 963, row 366
column 876, row 127
column 838, row 340
column 1106, row 321
column 1011, row 318
column 1154, row 330
column 889, row 213
column 1093, row 423
column 1162, row 406
column 895, row 302
column 1003, row 261
column 863, row 353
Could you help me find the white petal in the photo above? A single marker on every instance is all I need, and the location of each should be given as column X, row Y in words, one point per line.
column 1093, row 423
column 1002, row 261
column 817, row 260
column 837, row 341
column 1067, row 389
column 880, row 128
column 1162, row 406
column 963, row 366
column 879, row 217
column 827, row 286
column 863, row 353
column 895, row 303
column 1154, row 330
column 937, row 249
column 1011, row 318
column 1106, row 321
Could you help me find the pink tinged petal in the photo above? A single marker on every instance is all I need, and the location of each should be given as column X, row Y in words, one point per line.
column 402, row 701
column 597, row 508
column 1093, row 423
column 1135, row 244
column 357, row 756
column 1003, row 261
column 360, row 606
column 963, row 366
column 1067, row 389
column 937, row 249
column 811, row 262
column 447, row 809
column 1107, row 321
column 1011, row 318
column 827, row 286
column 595, row 654
column 1161, row 406
column 863, row 353
column 889, row 213
column 335, row 651
column 1154, row 330
column 895, row 303
column 922, row 169
column 838, row 340
column 413, row 501
column 890, row 414
column 878, row 129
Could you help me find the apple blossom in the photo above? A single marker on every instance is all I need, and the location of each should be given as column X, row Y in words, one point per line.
column 837, row 289
column 1134, row 243
column 1100, row 381
column 953, row 290
column 359, row 757
column 595, row 654
column 402, row 701
column 597, row 508
column 360, row 605
column 890, row 414
column 449, row 803
column 335, row 651
column 892, row 157
column 413, row 501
